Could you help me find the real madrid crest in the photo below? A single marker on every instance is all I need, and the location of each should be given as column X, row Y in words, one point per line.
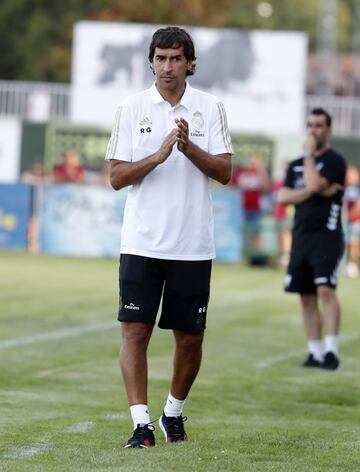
column 197, row 120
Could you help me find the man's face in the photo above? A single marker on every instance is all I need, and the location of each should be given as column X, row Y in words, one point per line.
column 254, row 161
column 170, row 67
column 71, row 159
column 317, row 127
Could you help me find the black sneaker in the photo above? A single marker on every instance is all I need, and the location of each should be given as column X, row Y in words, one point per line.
column 143, row 437
column 310, row 361
column 173, row 428
column 330, row 362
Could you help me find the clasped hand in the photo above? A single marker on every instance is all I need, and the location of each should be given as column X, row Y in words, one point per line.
column 179, row 135
column 182, row 137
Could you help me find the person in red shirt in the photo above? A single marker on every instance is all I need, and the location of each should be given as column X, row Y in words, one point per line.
column 252, row 180
column 70, row 171
column 352, row 200
column 36, row 175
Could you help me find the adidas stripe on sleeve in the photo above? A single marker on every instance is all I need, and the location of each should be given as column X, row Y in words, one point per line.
column 120, row 142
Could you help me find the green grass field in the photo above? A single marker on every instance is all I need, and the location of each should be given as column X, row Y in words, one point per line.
column 252, row 408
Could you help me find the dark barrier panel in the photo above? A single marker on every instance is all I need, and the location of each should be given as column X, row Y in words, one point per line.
column 247, row 144
column 349, row 148
column 32, row 145
column 89, row 142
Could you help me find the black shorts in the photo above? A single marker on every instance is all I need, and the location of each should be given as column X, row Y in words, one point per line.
column 183, row 285
column 314, row 261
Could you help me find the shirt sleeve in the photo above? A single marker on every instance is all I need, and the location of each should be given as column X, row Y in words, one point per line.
column 120, row 142
column 219, row 138
column 334, row 169
column 289, row 177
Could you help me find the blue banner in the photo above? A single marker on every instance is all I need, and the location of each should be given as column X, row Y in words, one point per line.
column 86, row 221
column 15, row 208
column 77, row 220
column 228, row 223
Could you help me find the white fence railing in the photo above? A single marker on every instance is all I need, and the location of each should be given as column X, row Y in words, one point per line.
column 42, row 101
column 345, row 112
column 35, row 101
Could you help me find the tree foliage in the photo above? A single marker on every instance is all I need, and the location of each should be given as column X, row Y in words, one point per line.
column 36, row 35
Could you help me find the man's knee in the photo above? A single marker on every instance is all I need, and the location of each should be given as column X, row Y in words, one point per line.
column 135, row 333
column 189, row 342
column 326, row 293
column 308, row 302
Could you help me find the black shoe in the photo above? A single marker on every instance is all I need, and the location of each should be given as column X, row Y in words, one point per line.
column 173, row 428
column 310, row 361
column 330, row 362
column 143, row 437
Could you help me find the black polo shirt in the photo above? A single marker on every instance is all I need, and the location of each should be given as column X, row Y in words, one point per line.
column 318, row 213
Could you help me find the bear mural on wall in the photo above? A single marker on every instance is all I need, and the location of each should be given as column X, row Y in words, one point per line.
column 230, row 59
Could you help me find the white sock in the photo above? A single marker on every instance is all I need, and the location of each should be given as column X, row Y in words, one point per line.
column 139, row 415
column 315, row 347
column 332, row 344
column 173, row 406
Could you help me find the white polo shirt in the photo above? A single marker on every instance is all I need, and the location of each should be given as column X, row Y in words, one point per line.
column 168, row 214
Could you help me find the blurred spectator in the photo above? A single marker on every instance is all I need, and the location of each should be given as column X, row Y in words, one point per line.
column 36, row 175
column 70, row 170
column 98, row 177
column 283, row 219
column 352, row 202
column 253, row 180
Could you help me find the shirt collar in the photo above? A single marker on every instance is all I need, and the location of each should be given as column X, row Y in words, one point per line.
column 185, row 99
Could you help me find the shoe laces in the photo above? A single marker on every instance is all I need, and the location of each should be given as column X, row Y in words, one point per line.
column 176, row 425
column 141, row 429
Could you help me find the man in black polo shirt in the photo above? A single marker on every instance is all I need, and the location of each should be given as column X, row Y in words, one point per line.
column 314, row 183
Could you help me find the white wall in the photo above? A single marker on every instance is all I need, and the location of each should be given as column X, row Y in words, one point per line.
column 10, row 146
column 259, row 75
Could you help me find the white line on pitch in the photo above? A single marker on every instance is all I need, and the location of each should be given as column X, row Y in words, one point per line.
column 117, row 416
column 83, row 427
column 79, row 330
column 59, row 334
column 287, row 355
column 30, row 450
column 276, row 359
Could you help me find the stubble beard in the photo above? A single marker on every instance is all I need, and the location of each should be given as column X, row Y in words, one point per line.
column 169, row 87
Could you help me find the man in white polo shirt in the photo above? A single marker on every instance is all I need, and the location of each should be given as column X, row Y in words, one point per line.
column 166, row 144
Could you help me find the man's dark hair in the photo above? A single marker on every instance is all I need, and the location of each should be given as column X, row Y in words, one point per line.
column 321, row 111
column 173, row 37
